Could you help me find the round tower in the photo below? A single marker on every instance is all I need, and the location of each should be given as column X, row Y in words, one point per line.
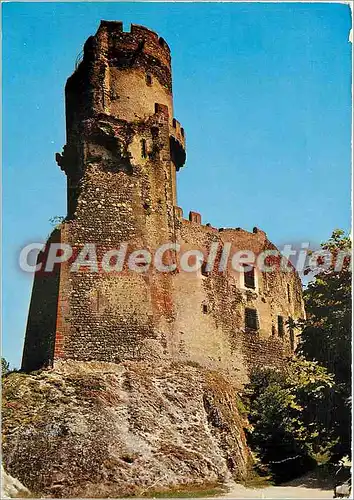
column 124, row 76
column 122, row 153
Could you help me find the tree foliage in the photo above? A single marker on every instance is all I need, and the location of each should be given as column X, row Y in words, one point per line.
column 326, row 333
column 303, row 411
column 5, row 367
column 287, row 415
column 326, row 336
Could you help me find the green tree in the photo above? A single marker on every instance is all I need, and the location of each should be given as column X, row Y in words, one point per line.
column 5, row 367
column 287, row 413
column 326, row 333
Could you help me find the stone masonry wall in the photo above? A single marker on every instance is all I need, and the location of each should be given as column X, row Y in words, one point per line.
column 210, row 318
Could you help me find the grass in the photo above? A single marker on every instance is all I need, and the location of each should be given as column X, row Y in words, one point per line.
column 188, row 494
column 255, row 480
column 187, row 491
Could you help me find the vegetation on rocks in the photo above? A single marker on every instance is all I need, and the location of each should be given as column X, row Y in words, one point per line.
column 89, row 429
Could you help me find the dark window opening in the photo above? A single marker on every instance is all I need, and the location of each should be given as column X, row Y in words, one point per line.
column 143, row 148
column 288, row 291
column 205, row 308
column 291, row 333
column 249, row 277
column 154, row 132
column 280, row 326
column 251, row 318
column 148, row 80
column 174, row 123
column 204, row 270
column 146, row 206
column 273, row 330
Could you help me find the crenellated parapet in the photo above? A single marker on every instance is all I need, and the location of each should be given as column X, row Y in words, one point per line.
column 177, row 144
column 177, row 131
column 122, row 74
column 139, row 47
column 146, row 40
column 196, row 219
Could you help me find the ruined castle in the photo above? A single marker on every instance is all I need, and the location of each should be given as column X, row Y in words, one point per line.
column 124, row 149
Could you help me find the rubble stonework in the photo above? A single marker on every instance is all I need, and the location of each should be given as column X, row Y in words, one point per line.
column 123, row 150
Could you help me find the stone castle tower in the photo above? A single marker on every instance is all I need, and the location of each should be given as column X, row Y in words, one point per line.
column 123, row 150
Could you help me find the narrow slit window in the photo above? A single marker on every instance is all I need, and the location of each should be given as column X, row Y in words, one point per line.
column 288, row 292
column 291, row 333
column 148, row 80
column 249, row 277
column 280, row 326
column 205, row 309
column 204, row 269
column 143, row 148
column 251, row 319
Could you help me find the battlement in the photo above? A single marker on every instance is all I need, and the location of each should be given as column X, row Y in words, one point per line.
column 177, row 131
column 135, row 29
column 239, row 230
column 177, row 144
column 196, row 218
column 113, row 40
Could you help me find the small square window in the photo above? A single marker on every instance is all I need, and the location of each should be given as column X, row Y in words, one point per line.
column 251, row 318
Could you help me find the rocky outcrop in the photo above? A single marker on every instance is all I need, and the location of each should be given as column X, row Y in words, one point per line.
column 11, row 487
column 90, row 429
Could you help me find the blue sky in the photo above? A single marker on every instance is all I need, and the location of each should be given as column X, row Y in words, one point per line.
column 262, row 90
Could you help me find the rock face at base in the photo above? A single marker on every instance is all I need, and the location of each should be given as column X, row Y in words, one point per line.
column 89, row 429
column 11, row 487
